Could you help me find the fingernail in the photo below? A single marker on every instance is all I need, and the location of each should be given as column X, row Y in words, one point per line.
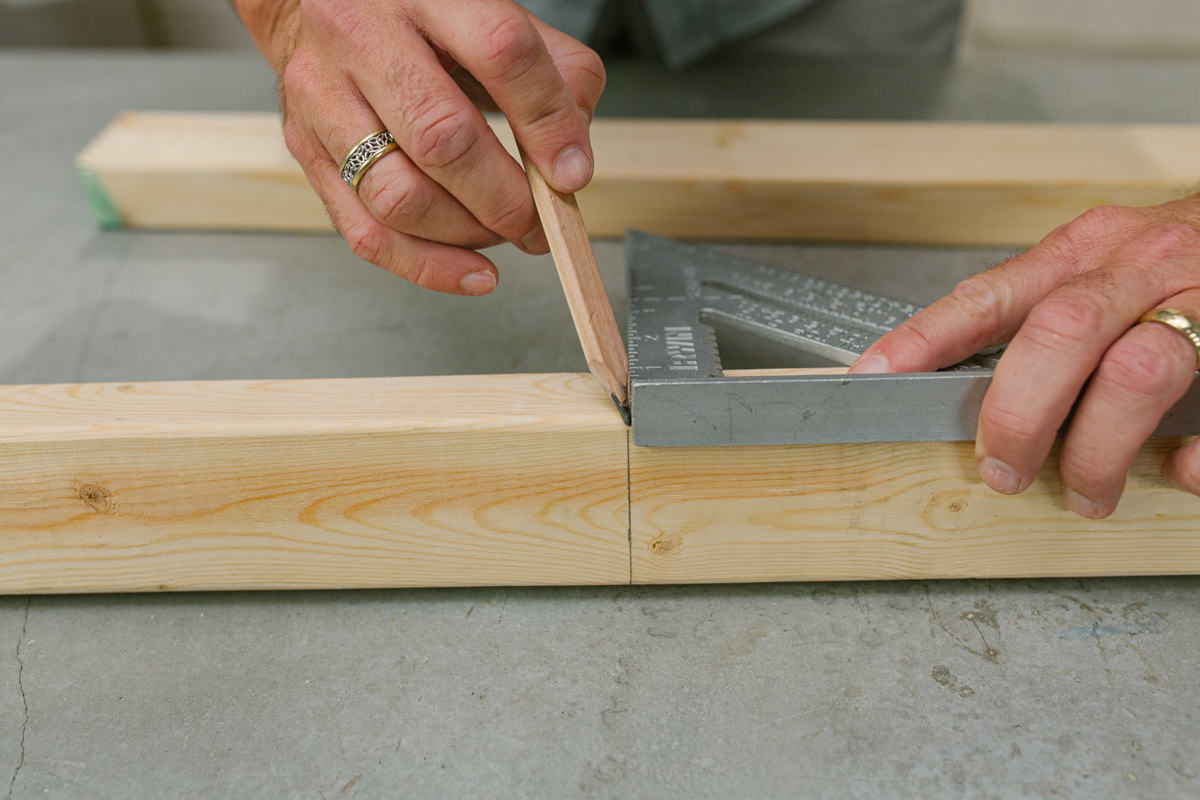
column 478, row 283
column 999, row 476
column 1081, row 505
column 572, row 169
column 871, row 365
column 535, row 241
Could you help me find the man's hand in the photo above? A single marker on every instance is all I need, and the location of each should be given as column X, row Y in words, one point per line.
column 422, row 69
column 1070, row 308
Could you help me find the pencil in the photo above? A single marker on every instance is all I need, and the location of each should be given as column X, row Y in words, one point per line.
column 590, row 308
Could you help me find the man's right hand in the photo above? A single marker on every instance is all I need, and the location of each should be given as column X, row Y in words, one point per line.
column 422, row 69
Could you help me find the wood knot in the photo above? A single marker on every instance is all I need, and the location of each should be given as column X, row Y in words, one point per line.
column 666, row 545
column 958, row 504
column 97, row 498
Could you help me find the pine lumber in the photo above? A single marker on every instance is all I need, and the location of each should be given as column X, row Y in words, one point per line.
column 449, row 481
column 872, row 511
column 959, row 183
column 506, row 480
column 888, row 511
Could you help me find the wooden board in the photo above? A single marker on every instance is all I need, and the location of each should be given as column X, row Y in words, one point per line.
column 461, row 481
column 504, row 479
column 919, row 182
column 868, row 511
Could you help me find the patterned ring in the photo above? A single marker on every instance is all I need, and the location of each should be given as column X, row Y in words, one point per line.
column 1178, row 320
column 364, row 154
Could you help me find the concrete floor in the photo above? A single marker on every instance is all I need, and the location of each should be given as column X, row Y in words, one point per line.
column 1083, row 688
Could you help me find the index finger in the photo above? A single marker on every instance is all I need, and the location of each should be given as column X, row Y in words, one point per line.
column 504, row 50
column 988, row 308
column 983, row 310
column 445, row 135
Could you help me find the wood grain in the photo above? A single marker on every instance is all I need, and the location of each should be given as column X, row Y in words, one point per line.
column 506, row 480
column 896, row 511
column 456, row 481
column 919, row 182
column 591, row 310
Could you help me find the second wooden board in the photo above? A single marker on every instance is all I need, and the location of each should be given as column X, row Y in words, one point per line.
column 920, row 182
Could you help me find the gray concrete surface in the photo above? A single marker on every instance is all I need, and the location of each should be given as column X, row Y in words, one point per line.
column 1078, row 688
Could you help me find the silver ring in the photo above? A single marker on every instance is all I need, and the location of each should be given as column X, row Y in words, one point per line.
column 360, row 158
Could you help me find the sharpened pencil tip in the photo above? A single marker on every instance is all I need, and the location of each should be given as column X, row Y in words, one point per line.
column 626, row 414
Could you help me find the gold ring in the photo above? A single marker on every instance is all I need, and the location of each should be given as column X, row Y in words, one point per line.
column 360, row 158
column 1177, row 320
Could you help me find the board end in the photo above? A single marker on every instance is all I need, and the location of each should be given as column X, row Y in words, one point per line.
column 104, row 210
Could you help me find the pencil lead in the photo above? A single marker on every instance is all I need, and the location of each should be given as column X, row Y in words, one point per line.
column 626, row 414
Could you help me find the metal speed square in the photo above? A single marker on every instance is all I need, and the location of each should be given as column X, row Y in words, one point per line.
column 683, row 299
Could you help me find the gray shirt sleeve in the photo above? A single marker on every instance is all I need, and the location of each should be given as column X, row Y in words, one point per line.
column 576, row 18
column 683, row 30
column 688, row 29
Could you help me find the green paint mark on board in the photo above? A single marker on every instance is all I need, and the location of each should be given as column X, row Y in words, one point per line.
column 104, row 210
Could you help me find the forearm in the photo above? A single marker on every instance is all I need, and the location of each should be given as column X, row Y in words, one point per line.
column 271, row 24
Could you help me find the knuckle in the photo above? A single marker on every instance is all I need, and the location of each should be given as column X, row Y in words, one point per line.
column 1056, row 322
column 366, row 240
column 554, row 121
column 443, row 135
column 913, row 335
column 397, row 201
column 1133, row 367
column 1063, row 246
column 294, row 136
column 510, row 46
column 302, row 72
column 983, row 296
column 1166, row 240
column 408, row 83
column 583, row 64
column 334, row 16
column 1081, row 467
column 1088, row 473
column 589, row 61
column 1087, row 231
column 420, row 272
column 516, row 217
column 1009, row 423
column 1099, row 220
